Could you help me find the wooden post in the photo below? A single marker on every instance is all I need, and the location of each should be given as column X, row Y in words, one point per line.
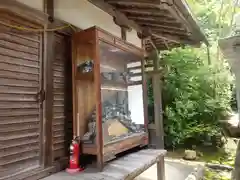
column 49, row 56
column 158, row 106
column 99, row 137
column 145, row 89
column 123, row 33
column 161, row 169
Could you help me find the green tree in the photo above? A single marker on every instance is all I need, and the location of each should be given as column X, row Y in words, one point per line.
column 195, row 97
column 197, row 94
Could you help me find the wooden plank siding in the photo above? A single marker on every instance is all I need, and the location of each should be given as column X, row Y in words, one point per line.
column 62, row 96
column 27, row 150
column 20, row 112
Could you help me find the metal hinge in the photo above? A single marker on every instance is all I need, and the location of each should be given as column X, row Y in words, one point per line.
column 40, row 96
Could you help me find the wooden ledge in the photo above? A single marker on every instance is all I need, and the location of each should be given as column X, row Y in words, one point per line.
column 124, row 168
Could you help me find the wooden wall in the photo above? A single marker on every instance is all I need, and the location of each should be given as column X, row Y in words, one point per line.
column 62, row 96
column 32, row 143
column 20, row 83
column 84, row 94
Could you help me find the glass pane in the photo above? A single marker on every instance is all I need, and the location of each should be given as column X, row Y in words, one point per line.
column 121, row 92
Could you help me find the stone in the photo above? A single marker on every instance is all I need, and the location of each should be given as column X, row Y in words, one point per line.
column 190, row 155
column 191, row 177
column 219, row 167
column 199, row 154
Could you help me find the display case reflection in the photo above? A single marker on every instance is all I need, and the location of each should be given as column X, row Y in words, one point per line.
column 117, row 95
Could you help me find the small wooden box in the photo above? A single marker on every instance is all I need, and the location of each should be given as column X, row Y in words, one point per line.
column 108, row 88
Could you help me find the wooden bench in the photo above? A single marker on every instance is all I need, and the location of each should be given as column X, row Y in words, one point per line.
column 125, row 168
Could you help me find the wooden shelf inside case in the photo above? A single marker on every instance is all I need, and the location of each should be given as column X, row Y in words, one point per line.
column 113, row 85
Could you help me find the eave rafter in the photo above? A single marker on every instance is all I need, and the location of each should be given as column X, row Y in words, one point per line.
column 135, row 2
column 121, row 18
column 155, row 19
column 146, row 11
column 165, row 27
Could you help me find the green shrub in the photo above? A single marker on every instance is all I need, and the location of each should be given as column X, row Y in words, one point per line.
column 195, row 97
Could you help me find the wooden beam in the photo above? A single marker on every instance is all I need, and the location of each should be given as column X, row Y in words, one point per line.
column 123, row 33
column 149, row 39
column 173, row 38
column 120, row 17
column 145, row 92
column 157, row 95
column 155, row 62
column 169, row 6
column 152, row 126
column 151, row 73
column 134, row 2
column 169, row 38
column 148, row 66
column 49, row 8
column 166, row 44
column 160, row 25
column 166, row 9
column 161, row 169
column 49, row 56
column 148, row 32
column 144, row 3
column 179, row 33
column 165, row 21
column 147, row 11
column 176, row 13
column 123, row 20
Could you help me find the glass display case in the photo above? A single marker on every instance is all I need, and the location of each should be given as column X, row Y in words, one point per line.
column 109, row 113
column 121, row 100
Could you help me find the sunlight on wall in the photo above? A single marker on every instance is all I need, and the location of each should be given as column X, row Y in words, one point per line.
column 36, row 4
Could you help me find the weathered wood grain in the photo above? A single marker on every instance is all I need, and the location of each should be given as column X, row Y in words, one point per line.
column 20, row 118
column 125, row 168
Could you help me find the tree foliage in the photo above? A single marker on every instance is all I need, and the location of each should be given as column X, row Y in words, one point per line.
column 196, row 95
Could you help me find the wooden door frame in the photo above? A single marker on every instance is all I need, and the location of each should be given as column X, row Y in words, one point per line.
column 49, row 56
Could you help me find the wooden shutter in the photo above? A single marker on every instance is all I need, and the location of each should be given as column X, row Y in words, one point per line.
column 20, row 81
column 62, row 104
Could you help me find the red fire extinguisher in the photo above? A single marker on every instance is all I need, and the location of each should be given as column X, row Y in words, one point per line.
column 74, row 164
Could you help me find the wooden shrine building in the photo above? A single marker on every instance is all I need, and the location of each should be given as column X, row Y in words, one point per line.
column 44, row 99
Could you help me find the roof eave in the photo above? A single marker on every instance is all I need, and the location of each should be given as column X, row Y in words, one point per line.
column 164, row 22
